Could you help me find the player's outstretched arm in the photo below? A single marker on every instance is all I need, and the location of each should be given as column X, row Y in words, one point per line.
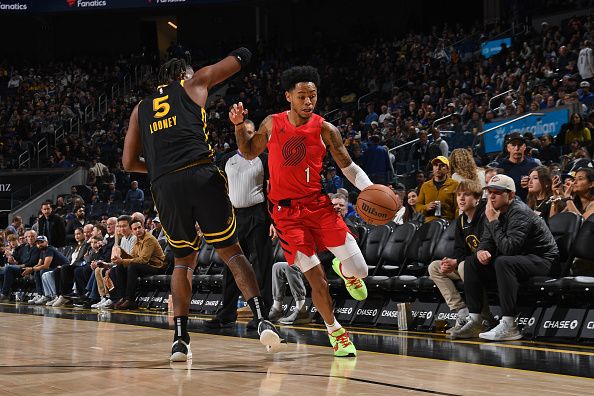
column 207, row 77
column 250, row 143
column 133, row 147
column 353, row 172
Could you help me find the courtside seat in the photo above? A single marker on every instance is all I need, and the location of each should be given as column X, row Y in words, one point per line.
column 362, row 233
column 374, row 245
column 444, row 248
column 565, row 228
column 420, row 249
column 405, row 285
column 393, row 255
column 583, row 250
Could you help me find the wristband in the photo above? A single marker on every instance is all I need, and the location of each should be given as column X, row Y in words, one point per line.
column 243, row 55
column 239, row 123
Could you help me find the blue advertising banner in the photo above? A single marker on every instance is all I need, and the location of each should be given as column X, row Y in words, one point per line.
column 52, row 6
column 550, row 123
column 493, row 47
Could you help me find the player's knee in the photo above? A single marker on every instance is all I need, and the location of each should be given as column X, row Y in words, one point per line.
column 355, row 266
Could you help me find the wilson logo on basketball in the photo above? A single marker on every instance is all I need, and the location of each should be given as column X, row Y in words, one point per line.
column 372, row 212
column 294, row 150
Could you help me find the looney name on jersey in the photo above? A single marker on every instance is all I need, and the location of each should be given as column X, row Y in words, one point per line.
column 163, row 124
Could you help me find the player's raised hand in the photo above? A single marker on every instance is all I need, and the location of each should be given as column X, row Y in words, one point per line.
column 237, row 113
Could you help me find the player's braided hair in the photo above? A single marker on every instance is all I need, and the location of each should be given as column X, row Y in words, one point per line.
column 297, row 74
column 172, row 70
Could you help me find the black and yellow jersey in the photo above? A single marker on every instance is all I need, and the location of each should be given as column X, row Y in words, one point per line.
column 173, row 131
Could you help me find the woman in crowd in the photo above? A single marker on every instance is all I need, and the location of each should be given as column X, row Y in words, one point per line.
column 579, row 195
column 410, row 213
column 577, row 131
column 464, row 168
column 540, row 191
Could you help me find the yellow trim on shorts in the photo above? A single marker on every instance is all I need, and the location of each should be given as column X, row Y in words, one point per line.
column 182, row 242
column 230, row 234
column 222, row 232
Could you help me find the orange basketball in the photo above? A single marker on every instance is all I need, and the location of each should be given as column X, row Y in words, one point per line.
column 377, row 204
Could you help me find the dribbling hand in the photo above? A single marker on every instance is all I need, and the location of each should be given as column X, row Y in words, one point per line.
column 237, row 113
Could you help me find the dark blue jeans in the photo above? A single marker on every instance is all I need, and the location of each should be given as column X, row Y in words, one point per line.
column 11, row 274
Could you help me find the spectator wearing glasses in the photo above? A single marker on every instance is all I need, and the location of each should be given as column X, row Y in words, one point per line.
column 437, row 197
column 516, row 244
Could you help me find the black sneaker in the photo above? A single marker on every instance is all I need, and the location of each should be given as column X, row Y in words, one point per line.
column 180, row 351
column 270, row 337
column 217, row 323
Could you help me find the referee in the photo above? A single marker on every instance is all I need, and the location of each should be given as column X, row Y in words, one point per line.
column 247, row 191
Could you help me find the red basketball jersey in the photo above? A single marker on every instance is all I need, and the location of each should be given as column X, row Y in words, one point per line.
column 295, row 157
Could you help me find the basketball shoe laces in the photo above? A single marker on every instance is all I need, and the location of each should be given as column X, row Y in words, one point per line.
column 343, row 339
column 354, row 282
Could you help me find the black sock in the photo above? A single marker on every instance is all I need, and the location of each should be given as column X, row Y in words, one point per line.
column 181, row 329
column 258, row 309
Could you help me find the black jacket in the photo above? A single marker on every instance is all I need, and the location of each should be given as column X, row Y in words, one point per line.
column 519, row 232
column 468, row 235
column 57, row 230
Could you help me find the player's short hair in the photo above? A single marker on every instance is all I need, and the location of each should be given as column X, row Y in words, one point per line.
column 470, row 186
column 172, row 70
column 297, row 74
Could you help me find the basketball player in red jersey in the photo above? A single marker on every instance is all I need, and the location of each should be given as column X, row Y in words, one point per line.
column 301, row 212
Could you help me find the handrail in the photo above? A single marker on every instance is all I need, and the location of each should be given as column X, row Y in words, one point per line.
column 327, row 115
column 26, row 160
column 56, row 136
column 509, row 122
column 40, row 148
column 361, row 98
column 89, row 112
column 404, row 144
column 496, row 96
column 441, row 119
column 102, row 100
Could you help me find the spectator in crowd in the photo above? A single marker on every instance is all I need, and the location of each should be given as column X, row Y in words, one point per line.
column 465, row 168
column 9, row 251
column 540, row 191
column 518, row 165
column 283, row 274
column 585, row 61
column 25, row 256
column 516, row 244
column 99, row 267
column 64, row 275
column 78, row 221
column 60, row 208
column 135, row 195
column 400, row 210
column 16, row 225
column 49, row 259
column 332, row 182
column 420, row 151
column 157, row 230
column 410, row 211
column 437, row 197
column 469, row 227
column 577, row 131
column 145, row 258
column 438, row 146
column 51, row 226
column 548, row 152
column 376, row 162
column 112, row 195
column 98, row 168
column 585, row 96
column 578, row 195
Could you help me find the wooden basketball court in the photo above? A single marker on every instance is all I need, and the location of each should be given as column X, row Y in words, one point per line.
column 59, row 351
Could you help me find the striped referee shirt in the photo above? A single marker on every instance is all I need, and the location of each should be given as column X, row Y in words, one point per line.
column 247, row 179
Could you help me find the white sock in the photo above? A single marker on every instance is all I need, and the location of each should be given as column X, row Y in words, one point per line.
column 299, row 304
column 333, row 327
column 278, row 305
column 475, row 317
column 463, row 313
column 509, row 320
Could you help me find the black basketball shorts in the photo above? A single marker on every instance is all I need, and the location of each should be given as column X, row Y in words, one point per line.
column 195, row 196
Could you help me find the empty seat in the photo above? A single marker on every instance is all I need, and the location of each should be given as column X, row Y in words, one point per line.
column 394, row 252
column 374, row 244
column 420, row 250
column 444, row 248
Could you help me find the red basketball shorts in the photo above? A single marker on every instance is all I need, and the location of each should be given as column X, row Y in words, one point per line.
column 308, row 226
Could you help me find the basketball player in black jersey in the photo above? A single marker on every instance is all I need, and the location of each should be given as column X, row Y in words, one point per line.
column 169, row 130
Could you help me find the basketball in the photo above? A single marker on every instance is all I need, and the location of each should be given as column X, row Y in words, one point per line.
column 377, row 204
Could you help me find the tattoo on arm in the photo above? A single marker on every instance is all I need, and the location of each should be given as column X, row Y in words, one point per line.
column 250, row 143
column 332, row 138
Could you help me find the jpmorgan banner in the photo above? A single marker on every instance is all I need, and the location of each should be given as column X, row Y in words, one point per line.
column 550, row 123
column 58, row 6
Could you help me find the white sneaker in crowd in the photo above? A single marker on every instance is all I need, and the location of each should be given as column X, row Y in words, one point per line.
column 98, row 304
column 61, row 301
column 52, row 301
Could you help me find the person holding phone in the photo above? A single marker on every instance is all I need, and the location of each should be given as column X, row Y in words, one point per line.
column 540, row 191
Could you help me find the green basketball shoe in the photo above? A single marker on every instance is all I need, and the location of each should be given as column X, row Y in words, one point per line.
column 355, row 286
column 342, row 344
